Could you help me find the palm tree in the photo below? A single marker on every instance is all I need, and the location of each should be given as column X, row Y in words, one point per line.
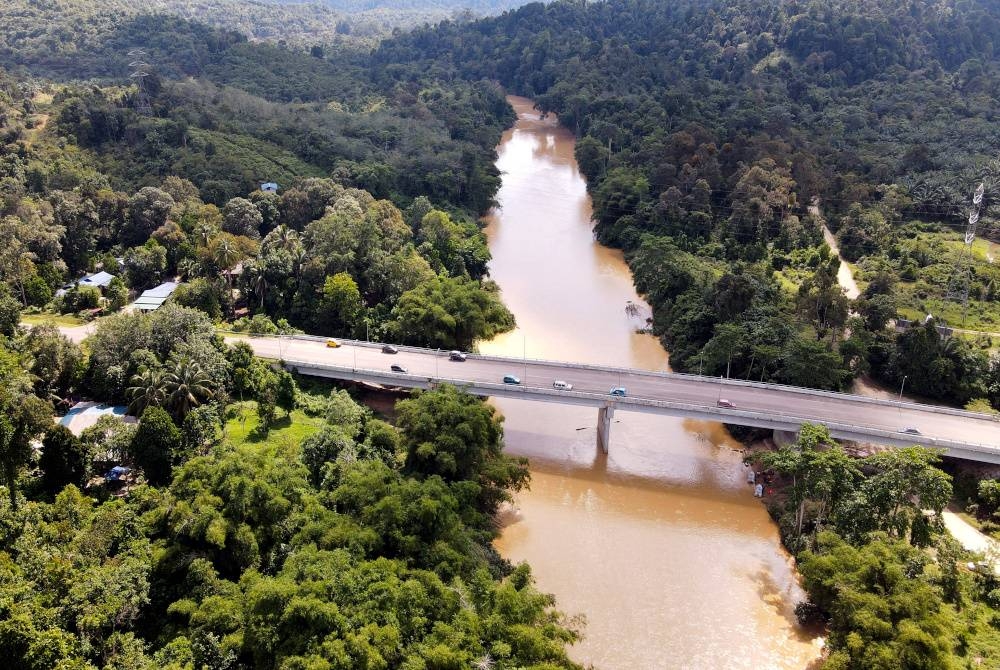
column 256, row 278
column 286, row 238
column 147, row 390
column 204, row 233
column 188, row 268
column 225, row 254
column 186, row 386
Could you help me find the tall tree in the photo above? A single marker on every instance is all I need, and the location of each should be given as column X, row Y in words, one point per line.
column 155, row 445
column 64, row 460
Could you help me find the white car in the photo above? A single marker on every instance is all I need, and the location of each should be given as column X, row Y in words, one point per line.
column 560, row 385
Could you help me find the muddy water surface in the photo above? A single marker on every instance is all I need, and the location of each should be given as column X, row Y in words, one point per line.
column 659, row 544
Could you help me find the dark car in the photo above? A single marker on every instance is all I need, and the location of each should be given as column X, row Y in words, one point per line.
column 511, row 379
column 910, row 431
column 456, row 356
column 618, row 391
column 398, row 368
column 389, row 349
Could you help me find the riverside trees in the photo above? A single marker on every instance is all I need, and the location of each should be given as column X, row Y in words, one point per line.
column 276, row 555
column 867, row 537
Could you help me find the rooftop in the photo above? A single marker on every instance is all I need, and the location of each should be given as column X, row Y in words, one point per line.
column 99, row 279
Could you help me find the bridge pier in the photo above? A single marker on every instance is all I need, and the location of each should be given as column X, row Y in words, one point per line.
column 604, row 416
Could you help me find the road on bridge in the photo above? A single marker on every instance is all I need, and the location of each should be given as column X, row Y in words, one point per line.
column 865, row 413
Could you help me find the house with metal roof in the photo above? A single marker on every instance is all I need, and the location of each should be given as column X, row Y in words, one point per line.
column 99, row 279
column 269, row 187
column 154, row 297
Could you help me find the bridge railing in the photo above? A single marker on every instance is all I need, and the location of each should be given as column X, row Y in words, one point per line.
column 625, row 372
column 791, row 420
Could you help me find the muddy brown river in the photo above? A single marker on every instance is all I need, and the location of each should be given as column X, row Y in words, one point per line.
column 660, row 544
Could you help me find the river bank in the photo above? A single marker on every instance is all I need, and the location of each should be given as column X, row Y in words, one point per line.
column 622, row 538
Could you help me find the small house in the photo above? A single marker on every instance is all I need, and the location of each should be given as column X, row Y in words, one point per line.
column 269, row 187
column 154, row 297
column 100, row 280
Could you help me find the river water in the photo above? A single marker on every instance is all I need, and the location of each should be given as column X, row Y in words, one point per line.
column 660, row 544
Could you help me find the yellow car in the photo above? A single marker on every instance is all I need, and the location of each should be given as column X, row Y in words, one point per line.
column 333, row 344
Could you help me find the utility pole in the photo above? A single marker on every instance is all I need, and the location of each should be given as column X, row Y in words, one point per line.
column 958, row 287
column 901, row 389
column 524, row 355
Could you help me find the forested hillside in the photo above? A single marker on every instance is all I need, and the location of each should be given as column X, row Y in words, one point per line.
column 336, row 25
column 228, row 114
column 707, row 129
column 266, row 521
column 245, row 521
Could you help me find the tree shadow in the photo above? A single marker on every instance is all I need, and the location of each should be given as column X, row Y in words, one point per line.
column 259, row 434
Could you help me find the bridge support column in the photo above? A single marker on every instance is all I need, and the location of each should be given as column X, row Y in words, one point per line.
column 604, row 416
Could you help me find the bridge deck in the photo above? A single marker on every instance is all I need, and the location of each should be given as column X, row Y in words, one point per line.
column 963, row 434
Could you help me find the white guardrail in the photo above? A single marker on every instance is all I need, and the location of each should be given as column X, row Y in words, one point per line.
column 769, row 419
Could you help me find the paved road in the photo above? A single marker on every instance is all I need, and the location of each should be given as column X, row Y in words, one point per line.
column 933, row 423
column 936, row 425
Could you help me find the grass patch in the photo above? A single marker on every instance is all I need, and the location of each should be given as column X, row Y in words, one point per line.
column 938, row 254
column 242, row 426
column 787, row 284
column 57, row 319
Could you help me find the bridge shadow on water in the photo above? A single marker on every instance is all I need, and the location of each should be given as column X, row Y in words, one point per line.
column 705, row 468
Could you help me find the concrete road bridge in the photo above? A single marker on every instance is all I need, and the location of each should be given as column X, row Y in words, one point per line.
column 961, row 434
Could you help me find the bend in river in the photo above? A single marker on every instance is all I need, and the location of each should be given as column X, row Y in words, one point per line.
column 660, row 544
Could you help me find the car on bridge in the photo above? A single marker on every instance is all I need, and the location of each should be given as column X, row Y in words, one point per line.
column 333, row 344
column 560, row 385
column 910, row 431
column 389, row 349
column 456, row 356
column 618, row 391
column 398, row 368
column 511, row 379
column 722, row 402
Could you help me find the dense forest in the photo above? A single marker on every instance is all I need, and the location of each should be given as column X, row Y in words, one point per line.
column 331, row 25
column 227, row 113
column 718, row 137
column 265, row 521
column 358, row 544
column 708, row 130
column 245, row 520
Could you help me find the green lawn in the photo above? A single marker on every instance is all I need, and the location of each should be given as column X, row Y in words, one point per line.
column 242, row 422
column 57, row 319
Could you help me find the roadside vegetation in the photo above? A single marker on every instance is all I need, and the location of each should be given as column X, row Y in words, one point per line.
column 256, row 525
